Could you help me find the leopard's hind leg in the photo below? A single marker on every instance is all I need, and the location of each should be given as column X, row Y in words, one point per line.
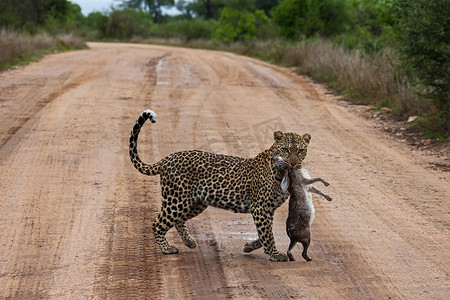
column 160, row 228
column 193, row 209
column 167, row 218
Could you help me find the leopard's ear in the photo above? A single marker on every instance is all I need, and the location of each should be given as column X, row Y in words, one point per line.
column 306, row 138
column 278, row 136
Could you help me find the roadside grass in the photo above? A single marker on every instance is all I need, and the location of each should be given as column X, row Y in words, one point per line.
column 377, row 78
column 19, row 49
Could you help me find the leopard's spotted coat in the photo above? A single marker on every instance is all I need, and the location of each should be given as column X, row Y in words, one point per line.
column 192, row 180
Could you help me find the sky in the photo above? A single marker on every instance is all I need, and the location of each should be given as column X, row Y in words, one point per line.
column 88, row 6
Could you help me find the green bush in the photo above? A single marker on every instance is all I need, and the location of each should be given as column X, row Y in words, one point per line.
column 307, row 18
column 124, row 24
column 185, row 30
column 97, row 22
column 33, row 15
column 235, row 25
column 195, row 29
column 423, row 29
column 359, row 38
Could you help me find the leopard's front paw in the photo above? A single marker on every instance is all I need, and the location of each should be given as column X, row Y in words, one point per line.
column 277, row 256
column 191, row 243
column 170, row 250
column 248, row 248
column 253, row 245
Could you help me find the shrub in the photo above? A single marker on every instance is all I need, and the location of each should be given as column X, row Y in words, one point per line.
column 196, row 29
column 307, row 18
column 424, row 35
column 235, row 25
column 126, row 23
column 20, row 49
column 186, row 30
column 14, row 45
column 359, row 38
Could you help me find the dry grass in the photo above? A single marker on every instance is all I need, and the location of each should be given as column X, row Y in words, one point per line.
column 13, row 45
column 18, row 48
column 376, row 79
column 71, row 41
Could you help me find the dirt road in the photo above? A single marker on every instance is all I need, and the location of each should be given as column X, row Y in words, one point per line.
column 75, row 216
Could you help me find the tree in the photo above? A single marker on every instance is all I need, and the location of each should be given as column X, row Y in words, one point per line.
column 98, row 21
column 266, row 5
column 29, row 14
column 207, row 9
column 211, row 9
column 152, row 6
column 423, row 31
column 306, row 18
column 186, row 8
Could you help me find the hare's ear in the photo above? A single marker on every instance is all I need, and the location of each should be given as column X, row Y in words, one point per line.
column 278, row 136
column 306, row 138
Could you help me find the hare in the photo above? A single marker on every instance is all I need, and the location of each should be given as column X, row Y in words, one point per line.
column 301, row 209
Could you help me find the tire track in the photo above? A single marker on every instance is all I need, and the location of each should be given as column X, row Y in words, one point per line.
column 131, row 266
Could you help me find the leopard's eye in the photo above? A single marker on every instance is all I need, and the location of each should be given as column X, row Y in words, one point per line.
column 284, row 149
column 301, row 151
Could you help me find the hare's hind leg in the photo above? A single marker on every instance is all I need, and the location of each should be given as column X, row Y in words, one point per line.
column 289, row 254
column 318, row 192
column 305, row 242
column 314, row 180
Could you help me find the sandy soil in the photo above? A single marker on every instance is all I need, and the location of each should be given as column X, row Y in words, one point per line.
column 75, row 216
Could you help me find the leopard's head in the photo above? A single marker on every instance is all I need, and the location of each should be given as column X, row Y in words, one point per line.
column 291, row 147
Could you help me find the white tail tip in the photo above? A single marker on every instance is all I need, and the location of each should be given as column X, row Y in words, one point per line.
column 151, row 115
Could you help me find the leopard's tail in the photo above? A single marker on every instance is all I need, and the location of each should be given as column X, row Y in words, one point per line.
column 134, row 156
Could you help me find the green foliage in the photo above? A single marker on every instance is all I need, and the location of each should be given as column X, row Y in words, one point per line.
column 186, row 9
column 290, row 17
column 30, row 14
column 307, row 18
column 211, row 9
column 359, row 38
column 197, row 29
column 424, row 37
column 154, row 7
column 97, row 22
column 71, row 22
column 186, row 30
column 126, row 23
column 266, row 5
column 207, row 9
column 235, row 25
column 54, row 16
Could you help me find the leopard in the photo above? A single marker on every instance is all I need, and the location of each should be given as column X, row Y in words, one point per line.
column 192, row 180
